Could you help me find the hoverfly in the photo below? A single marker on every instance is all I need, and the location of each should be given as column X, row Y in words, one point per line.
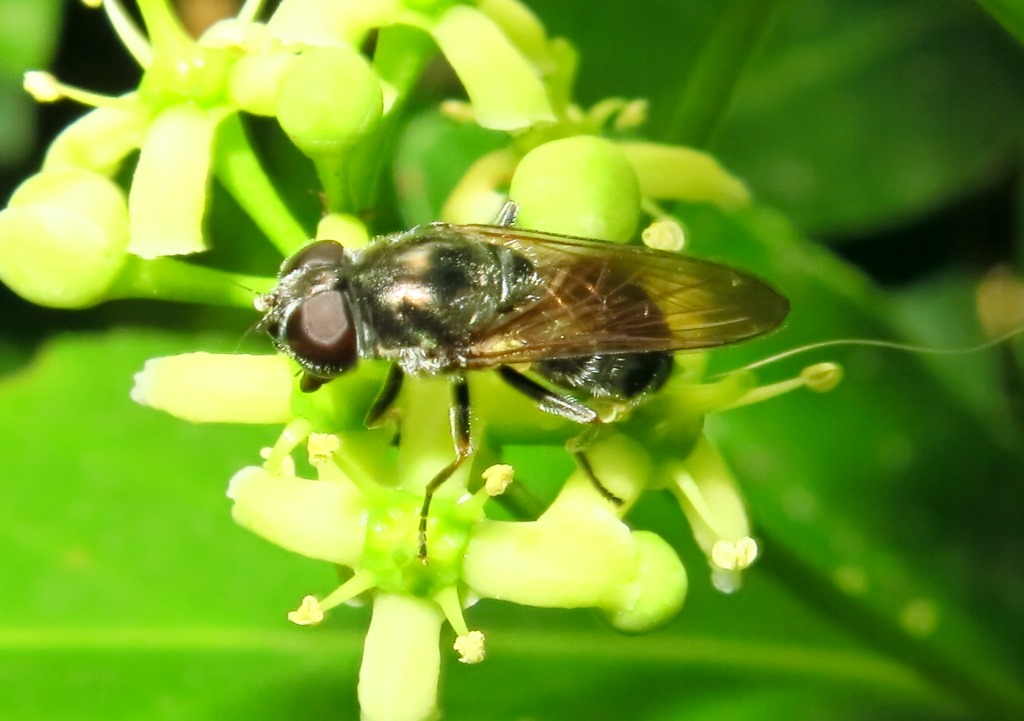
column 597, row 319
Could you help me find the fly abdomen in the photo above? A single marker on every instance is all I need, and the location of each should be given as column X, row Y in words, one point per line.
column 617, row 376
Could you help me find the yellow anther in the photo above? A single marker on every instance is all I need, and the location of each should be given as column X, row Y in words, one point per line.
column 736, row 556
column 470, row 647
column 497, row 478
column 42, row 86
column 632, row 115
column 308, row 613
column 665, row 234
column 822, row 377
column 321, row 446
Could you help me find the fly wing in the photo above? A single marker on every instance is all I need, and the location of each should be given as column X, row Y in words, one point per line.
column 605, row 298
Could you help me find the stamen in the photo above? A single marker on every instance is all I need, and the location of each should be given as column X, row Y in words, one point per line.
column 498, row 478
column 468, row 644
column 736, row 556
column 284, row 466
column 458, row 110
column 311, row 611
column 130, row 35
column 470, row 647
column 820, row 377
column 294, row 433
column 321, row 447
column 691, row 491
column 44, row 87
column 664, row 234
column 250, row 10
column 632, row 115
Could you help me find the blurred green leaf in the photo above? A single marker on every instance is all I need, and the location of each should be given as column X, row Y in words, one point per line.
column 29, row 30
column 136, row 597
column 860, row 115
column 855, row 115
column 887, row 499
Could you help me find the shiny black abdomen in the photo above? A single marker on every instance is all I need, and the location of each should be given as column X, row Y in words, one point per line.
column 621, row 376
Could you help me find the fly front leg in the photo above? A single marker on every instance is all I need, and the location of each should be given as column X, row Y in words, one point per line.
column 563, row 406
column 459, row 418
column 382, row 408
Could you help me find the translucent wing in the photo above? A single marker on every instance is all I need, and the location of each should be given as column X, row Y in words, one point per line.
column 608, row 298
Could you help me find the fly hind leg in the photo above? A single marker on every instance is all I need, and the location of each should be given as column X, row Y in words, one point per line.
column 567, row 407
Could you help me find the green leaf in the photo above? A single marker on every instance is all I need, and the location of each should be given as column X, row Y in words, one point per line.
column 882, row 502
column 860, row 115
column 28, row 36
column 131, row 594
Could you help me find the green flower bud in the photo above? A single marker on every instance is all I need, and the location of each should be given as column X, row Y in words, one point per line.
column 328, row 98
column 657, row 591
column 581, row 186
column 63, row 238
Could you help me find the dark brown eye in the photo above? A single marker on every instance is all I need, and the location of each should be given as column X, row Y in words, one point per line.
column 322, row 252
column 320, row 334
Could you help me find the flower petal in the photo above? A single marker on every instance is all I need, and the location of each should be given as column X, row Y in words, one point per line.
column 169, row 190
column 99, row 141
column 315, row 518
column 211, row 388
column 401, row 660
column 669, row 172
column 505, row 89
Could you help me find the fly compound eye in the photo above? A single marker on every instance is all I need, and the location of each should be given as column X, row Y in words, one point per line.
column 320, row 334
column 321, row 252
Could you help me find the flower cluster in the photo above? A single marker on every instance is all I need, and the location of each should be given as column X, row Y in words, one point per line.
column 72, row 236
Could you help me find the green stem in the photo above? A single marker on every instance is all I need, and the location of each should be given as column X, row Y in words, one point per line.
column 238, row 169
column 714, row 79
column 166, row 33
column 401, row 54
column 351, row 180
column 990, row 694
column 171, row 279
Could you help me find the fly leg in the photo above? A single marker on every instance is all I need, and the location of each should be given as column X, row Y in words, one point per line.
column 507, row 214
column 588, row 471
column 567, row 407
column 463, row 450
column 381, row 409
